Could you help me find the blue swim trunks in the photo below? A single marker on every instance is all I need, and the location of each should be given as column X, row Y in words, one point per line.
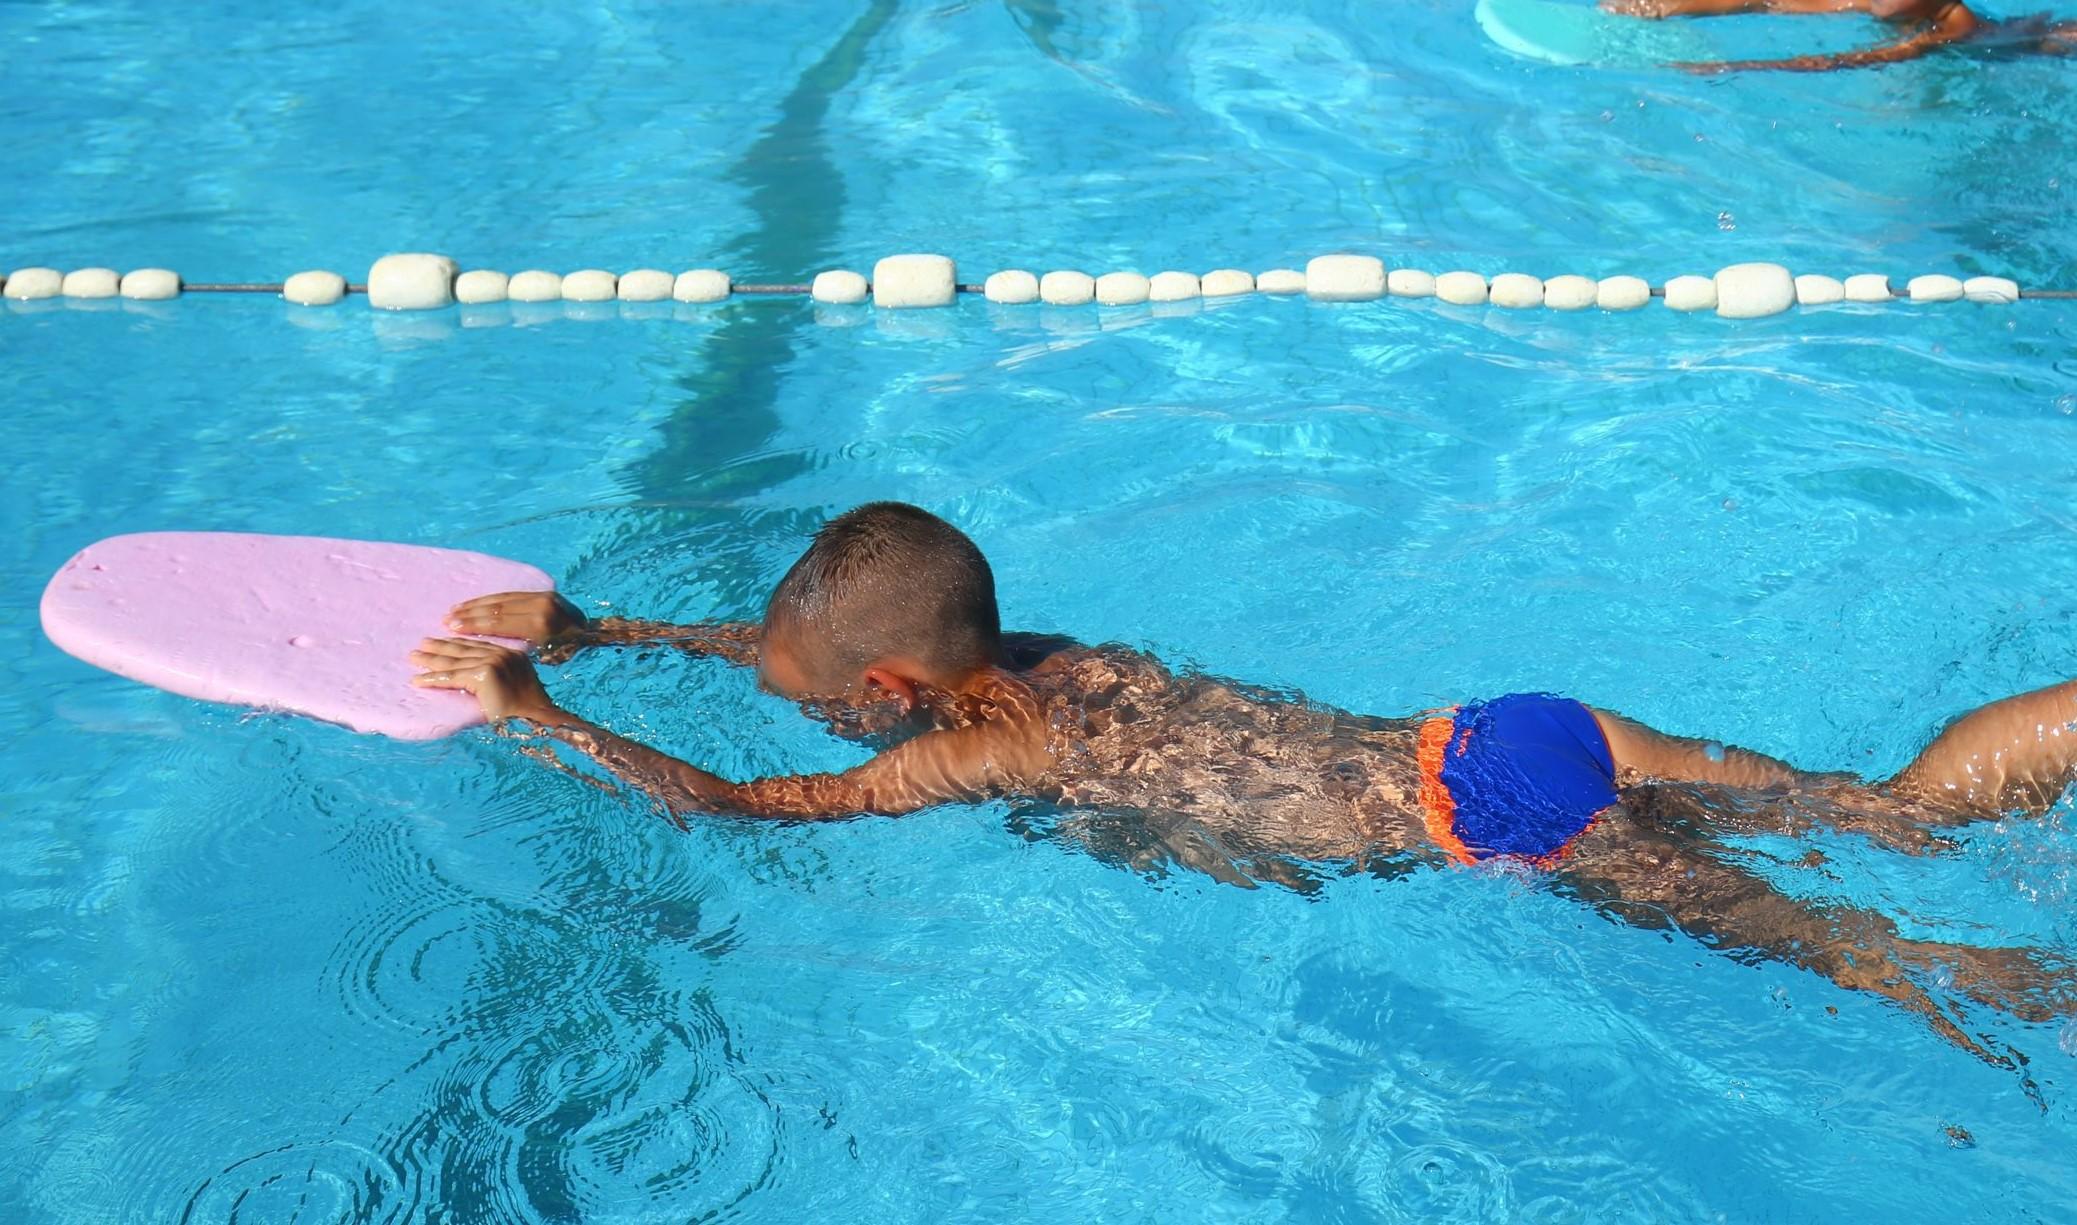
column 1521, row 775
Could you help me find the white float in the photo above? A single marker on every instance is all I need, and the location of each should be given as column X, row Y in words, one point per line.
column 313, row 288
column 1121, row 289
column 1934, row 288
column 644, row 285
column 1998, row 290
column 1173, row 287
column 1461, row 288
column 1691, row 293
column 1410, row 283
column 151, row 284
column 1226, row 283
column 1570, row 293
column 839, row 287
column 1868, row 287
column 1344, row 278
column 480, row 285
column 1754, row 291
column 1066, row 287
column 535, row 285
column 902, row 282
column 1011, row 287
column 701, row 285
column 1515, row 291
column 412, row 281
column 590, row 285
column 1280, row 281
column 1815, row 290
column 1621, row 293
column 29, row 283
column 91, row 283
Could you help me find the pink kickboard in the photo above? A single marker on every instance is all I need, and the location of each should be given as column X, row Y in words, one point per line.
column 306, row 624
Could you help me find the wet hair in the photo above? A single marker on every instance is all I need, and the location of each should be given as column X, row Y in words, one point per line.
column 881, row 580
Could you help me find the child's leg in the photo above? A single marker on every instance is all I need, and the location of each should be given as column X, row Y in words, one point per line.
column 1654, row 880
column 2016, row 753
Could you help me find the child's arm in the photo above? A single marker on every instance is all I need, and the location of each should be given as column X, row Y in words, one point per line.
column 1653, row 9
column 1889, row 53
column 547, row 621
column 1640, row 750
column 938, row 767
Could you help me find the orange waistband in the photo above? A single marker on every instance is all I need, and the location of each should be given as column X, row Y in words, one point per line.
column 1438, row 807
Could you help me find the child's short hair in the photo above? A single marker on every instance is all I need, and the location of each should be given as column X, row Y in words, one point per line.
column 888, row 579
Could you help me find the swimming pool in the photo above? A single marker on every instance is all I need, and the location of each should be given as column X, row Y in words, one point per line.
column 257, row 969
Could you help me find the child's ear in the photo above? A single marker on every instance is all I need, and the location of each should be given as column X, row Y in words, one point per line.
column 903, row 691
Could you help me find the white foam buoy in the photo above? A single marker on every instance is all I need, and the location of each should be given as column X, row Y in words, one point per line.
column 313, row 288
column 1280, row 281
column 1226, row 283
column 151, row 284
column 1121, row 289
column 1754, row 291
column 535, row 285
column 1410, row 283
column 839, row 287
column 701, row 285
column 1515, row 291
column 1998, row 290
column 1461, row 288
column 480, row 285
column 1934, row 288
column 29, row 283
column 411, row 281
column 1066, row 287
column 1621, row 293
column 903, row 282
column 1868, row 287
column 1011, row 287
column 644, row 285
column 1344, row 278
column 1570, row 293
column 1691, row 293
column 1173, row 287
column 1815, row 290
column 590, row 285
column 91, row 283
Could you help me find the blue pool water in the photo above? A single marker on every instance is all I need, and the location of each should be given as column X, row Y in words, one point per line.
column 257, row 969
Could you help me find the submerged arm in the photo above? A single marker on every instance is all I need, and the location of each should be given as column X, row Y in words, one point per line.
column 559, row 629
column 966, row 763
column 1953, row 24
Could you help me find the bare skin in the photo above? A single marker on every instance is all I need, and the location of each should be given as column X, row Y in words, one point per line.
column 1241, row 783
column 1923, row 26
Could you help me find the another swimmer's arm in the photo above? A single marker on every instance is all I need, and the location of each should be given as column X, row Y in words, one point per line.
column 967, row 763
column 559, row 629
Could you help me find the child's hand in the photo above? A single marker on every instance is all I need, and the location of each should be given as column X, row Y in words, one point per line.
column 534, row 617
column 501, row 678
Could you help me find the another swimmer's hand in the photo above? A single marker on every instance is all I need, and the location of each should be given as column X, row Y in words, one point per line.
column 534, row 617
column 502, row 679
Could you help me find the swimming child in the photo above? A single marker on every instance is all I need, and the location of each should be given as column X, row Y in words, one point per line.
column 886, row 628
column 1926, row 25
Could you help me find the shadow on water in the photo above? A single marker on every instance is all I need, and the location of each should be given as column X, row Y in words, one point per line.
column 731, row 392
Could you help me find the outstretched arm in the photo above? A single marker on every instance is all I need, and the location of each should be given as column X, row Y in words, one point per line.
column 1889, row 53
column 939, row 767
column 558, row 629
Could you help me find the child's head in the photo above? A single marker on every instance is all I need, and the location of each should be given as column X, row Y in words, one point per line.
column 886, row 588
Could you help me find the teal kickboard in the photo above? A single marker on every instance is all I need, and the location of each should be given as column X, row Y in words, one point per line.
column 1579, row 33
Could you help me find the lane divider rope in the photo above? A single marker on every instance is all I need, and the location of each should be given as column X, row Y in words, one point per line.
column 419, row 281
